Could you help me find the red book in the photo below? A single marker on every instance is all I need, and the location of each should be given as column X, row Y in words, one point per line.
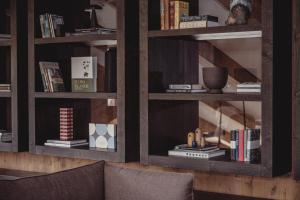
column 241, row 145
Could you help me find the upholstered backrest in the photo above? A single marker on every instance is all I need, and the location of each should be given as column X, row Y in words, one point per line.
column 83, row 183
column 131, row 184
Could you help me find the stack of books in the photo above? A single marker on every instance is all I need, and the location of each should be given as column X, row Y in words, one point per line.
column 204, row 153
column 51, row 25
column 245, row 145
column 249, row 87
column 5, row 136
column 186, row 88
column 52, row 77
column 5, row 88
column 66, row 124
column 202, row 21
column 91, row 31
column 66, row 144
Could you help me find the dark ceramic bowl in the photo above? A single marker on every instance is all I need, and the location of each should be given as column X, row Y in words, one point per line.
column 215, row 79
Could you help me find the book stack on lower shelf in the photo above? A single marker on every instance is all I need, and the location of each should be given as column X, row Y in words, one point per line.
column 5, row 88
column 245, row 145
column 5, row 136
column 186, row 88
column 201, row 153
column 249, row 88
column 66, row 143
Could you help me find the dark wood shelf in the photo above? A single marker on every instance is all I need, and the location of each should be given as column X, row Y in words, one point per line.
column 79, row 152
column 205, row 96
column 5, row 94
column 5, row 42
column 220, row 166
column 76, row 39
column 71, row 95
column 6, row 146
column 197, row 31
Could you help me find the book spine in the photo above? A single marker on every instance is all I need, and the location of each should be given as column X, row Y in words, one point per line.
column 172, row 14
column 51, row 26
column 162, row 15
column 47, row 26
column 181, row 9
column 241, row 145
column 245, row 144
column 254, row 146
column 42, row 22
column 176, row 14
column 237, row 144
column 233, row 145
column 193, row 24
column 167, row 13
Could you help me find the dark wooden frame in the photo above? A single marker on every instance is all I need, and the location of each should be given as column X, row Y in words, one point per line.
column 127, row 86
column 296, row 87
column 18, row 94
column 275, row 98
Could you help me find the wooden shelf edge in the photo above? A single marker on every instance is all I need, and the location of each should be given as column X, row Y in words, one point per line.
column 208, row 165
column 210, row 30
column 5, row 94
column 77, row 153
column 205, row 96
column 6, row 147
column 5, row 42
column 110, row 39
column 71, row 95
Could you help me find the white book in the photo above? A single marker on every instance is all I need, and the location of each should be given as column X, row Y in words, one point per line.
column 70, row 142
column 248, row 90
column 249, row 85
column 84, row 67
column 196, row 154
column 65, row 145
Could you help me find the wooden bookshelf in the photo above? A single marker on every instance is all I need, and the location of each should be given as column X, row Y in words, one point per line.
column 13, row 71
column 88, row 107
column 176, row 57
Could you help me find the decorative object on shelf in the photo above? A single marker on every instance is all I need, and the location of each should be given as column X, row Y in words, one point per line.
column 215, row 79
column 5, row 136
column 190, row 139
column 51, row 77
column 200, row 153
column 84, row 74
column 66, row 123
column 67, row 143
column 186, row 88
column 103, row 136
column 5, row 88
column 240, row 11
column 200, row 138
column 93, row 15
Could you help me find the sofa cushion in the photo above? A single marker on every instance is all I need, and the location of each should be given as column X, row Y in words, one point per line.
column 83, row 183
column 131, row 184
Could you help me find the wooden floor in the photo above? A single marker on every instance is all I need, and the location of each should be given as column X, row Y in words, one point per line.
column 266, row 188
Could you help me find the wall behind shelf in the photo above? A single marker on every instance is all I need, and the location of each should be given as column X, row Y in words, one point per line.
column 271, row 188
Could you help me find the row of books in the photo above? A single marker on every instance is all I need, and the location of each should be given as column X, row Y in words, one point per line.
column 204, row 153
column 51, row 25
column 174, row 14
column 186, row 88
column 245, row 145
column 5, row 136
column 66, row 144
column 5, row 87
column 249, row 87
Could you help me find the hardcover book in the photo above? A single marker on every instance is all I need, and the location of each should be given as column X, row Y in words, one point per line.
column 177, row 10
column 103, row 136
column 84, row 74
column 51, row 77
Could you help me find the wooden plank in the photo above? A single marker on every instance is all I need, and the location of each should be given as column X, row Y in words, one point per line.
column 5, row 94
column 5, row 42
column 71, row 95
column 205, row 96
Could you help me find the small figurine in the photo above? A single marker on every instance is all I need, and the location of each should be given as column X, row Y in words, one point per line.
column 190, row 139
column 200, row 139
column 240, row 11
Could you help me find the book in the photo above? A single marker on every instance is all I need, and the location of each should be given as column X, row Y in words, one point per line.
column 45, row 26
column 249, row 85
column 66, row 124
column 5, row 36
column 233, row 145
column 186, row 147
column 166, row 14
column 241, row 145
column 162, row 14
column 198, row 24
column 84, row 74
column 67, row 142
column 180, row 87
column 248, row 90
column 177, row 10
column 56, row 25
column 5, row 88
column 253, row 146
column 65, row 145
column 187, row 91
column 111, row 70
column 196, row 154
column 187, row 18
column 51, row 77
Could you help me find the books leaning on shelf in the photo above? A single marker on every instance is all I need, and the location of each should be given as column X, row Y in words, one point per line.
column 245, row 145
column 202, row 21
column 5, row 136
column 205, row 153
column 52, row 25
column 84, row 74
column 51, row 77
column 66, row 144
column 249, row 88
column 171, row 12
column 5, row 88
column 186, row 88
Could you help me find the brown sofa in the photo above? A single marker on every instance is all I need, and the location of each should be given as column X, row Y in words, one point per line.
column 100, row 181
